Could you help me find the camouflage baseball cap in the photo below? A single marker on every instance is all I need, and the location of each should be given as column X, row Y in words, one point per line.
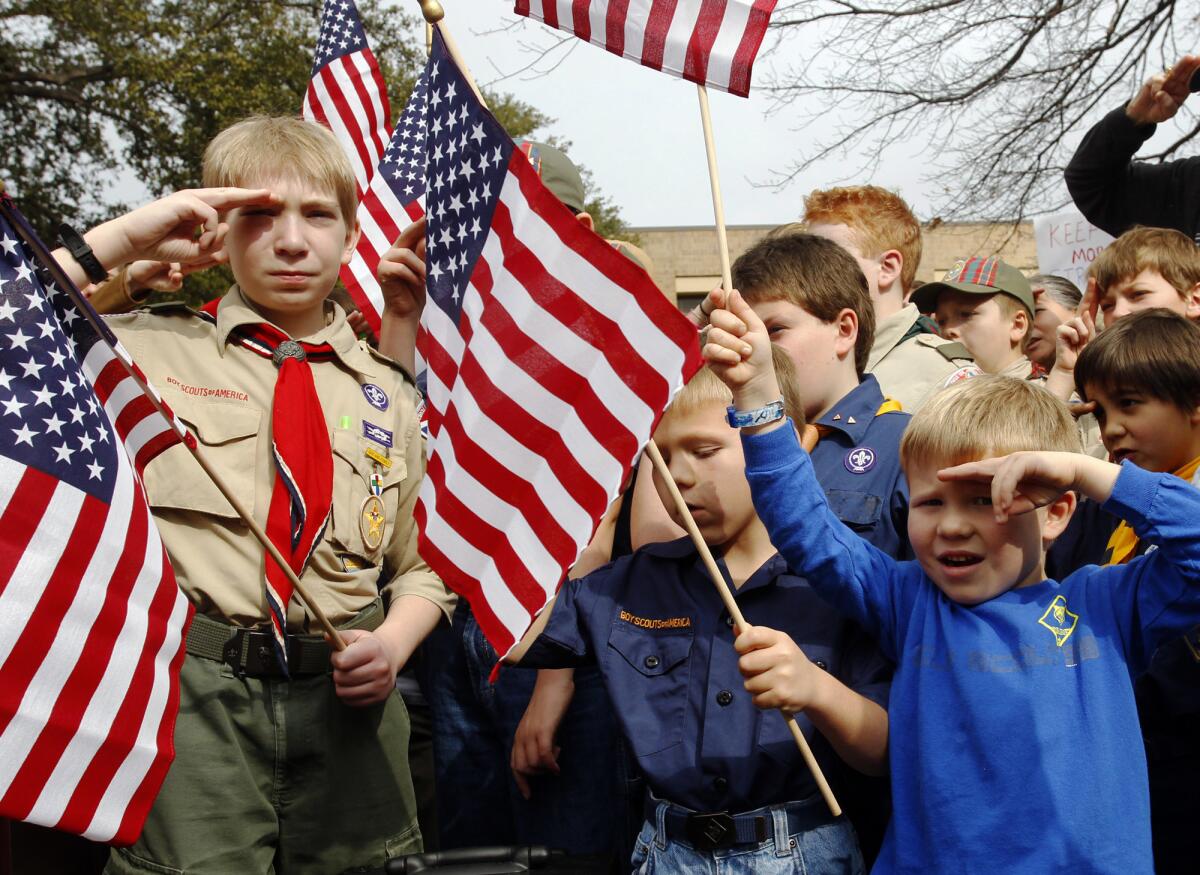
column 557, row 173
column 977, row 276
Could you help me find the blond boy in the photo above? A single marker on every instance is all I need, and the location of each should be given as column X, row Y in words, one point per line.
column 1014, row 742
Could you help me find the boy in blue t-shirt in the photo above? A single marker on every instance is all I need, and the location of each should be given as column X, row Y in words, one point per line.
column 728, row 783
column 1014, row 741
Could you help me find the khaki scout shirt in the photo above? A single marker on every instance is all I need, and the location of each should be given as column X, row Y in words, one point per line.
column 911, row 370
column 1022, row 369
column 224, row 393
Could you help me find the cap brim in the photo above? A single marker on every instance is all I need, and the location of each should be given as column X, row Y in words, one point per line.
column 926, row 297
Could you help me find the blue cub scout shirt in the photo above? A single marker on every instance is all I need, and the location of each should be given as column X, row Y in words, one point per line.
column 857, row 463
column 655, row 625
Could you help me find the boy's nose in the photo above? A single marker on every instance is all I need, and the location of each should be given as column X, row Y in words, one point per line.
column 289, row 236
column 950, row 332
column 1120, row 308
column 953, row 525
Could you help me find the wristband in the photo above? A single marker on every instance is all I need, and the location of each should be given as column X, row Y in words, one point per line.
column 750, row 418
column 82, row 253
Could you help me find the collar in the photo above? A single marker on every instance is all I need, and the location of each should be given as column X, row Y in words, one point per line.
column 1022, row 369
column 682, row 548
column 234, row 310
column 852, row 415
column 891, row 331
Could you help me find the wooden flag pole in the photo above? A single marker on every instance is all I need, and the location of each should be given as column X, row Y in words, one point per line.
column 714, row 180
column 433, row 12
column 76, row 296
column 735, row 612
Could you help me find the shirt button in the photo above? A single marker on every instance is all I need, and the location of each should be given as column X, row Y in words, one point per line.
column 724, row 698
column 720, row 785
column 820, row 663
column 651, row 662
column 729, row 622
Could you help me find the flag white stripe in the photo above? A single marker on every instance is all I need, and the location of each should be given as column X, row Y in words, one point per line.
column 329, row 105
column 680, row 33
column 379, row 137
column 636, row 18
column 729, row 39
column 141, row 758
column 63, row 654
column 598, row 19
column 343, row 71
column 10, row 476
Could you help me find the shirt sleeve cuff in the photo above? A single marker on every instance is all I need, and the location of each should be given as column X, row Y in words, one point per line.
column 770, row 450
column 1133, row 494
column 1127, row 130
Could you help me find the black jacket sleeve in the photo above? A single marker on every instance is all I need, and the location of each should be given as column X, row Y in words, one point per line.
column 1115, row 193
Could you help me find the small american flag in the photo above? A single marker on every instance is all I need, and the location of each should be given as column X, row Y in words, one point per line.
column 709, row 42
column 91, row 621
column 347, row 94
column 550, row 359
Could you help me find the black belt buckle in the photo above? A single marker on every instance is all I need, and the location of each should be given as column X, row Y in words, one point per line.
column 707, row 832
column 259, row 658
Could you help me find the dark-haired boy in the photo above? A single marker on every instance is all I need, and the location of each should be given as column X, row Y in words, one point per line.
column 1143, row 374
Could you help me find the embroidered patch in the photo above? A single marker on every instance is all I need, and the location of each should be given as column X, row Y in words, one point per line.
column 860, row 460
column 1059, row 620
column 376, row 433
column 645, row 623
column 375, row 396
column 964, row 373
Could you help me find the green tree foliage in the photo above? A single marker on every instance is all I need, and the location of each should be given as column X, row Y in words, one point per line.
column 97, row 96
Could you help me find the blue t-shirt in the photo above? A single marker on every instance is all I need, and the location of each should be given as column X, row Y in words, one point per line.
column 1014, row 742
column 656, row 627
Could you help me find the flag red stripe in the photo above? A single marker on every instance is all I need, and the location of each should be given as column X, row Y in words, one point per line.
column 614, row 26
column 658, row 23
column 107, row 380
column 582, row 22
column 57, row 596
column 743, row 59
column 704, row 34
column 571, row 388
column 550, row 13
column 19, row 522
column 138, row 408
column 487, row 539
column 151, row 448
column 374, row 122
column 77, row 692
column 342, row 108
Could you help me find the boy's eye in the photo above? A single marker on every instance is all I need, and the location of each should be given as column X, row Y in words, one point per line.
column 706, row 452
column 982, row 501
column 929, row 502
column 772, row 330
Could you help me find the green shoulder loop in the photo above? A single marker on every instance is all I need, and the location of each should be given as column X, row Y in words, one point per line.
column 171, row 308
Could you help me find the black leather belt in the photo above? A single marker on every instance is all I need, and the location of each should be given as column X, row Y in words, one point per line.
column 250, row 652
column 711, row 831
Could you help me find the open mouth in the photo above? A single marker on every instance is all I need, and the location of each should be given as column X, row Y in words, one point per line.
column 959, row 560
column 1119, row 456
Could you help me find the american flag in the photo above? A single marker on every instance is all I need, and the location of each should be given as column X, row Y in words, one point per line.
column 550, row 359
column 710, row 42
column 347, row 94
column 91, row 621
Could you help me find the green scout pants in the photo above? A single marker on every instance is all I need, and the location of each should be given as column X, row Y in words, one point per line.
column 276, row 776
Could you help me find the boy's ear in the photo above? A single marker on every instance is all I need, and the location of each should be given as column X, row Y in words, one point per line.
column 1020, row 327
column 586, row 220
column 1192, row 299
column 1058, row 514
column 847, row 325
column 891, row 265
column 352, row 235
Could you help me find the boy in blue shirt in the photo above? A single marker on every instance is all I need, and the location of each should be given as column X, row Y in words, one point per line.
column 1014, row 743
column 728, row 785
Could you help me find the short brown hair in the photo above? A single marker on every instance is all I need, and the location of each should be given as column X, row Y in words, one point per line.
column 987, row 416
column 1011, row 306
column 260, row 149
column 1169, row 253
column 813, row 273
column 880, row 219
column 705, row 388
column 1153, row 351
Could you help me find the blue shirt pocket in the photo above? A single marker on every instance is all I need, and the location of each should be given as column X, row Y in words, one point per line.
column 648, row 681
column 858, row 510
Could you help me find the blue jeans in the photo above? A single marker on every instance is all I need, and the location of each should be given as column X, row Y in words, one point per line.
column 580, row 810
column 830, row 849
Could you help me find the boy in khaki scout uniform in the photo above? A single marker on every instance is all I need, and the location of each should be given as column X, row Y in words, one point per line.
column 303, row 772
column 908, row 358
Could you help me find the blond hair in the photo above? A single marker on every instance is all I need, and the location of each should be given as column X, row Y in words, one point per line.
column 984, row 417
column 262, row 149
column 879, row 218
column 1169, row 253
column 705, row 388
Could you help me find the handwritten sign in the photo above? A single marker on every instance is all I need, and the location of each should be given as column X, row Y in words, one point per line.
column 1067, row 244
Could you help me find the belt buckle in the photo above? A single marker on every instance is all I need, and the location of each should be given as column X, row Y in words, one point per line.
column 259, row 651
column 707, row 832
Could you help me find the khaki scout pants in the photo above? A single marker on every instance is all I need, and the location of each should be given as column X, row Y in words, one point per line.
column 277, row 777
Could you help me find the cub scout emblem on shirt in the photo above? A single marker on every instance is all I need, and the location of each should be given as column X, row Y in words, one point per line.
column 860, row 460
column 370, row 521
column 1059, row 620
column 375, row 396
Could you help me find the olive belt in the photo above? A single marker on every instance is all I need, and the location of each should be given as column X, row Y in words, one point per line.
column 250, row 652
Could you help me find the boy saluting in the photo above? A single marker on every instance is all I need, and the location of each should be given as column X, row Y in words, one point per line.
column 1014, row 742
column 305, row 771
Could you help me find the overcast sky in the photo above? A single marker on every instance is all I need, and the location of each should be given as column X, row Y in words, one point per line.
column 638, row 130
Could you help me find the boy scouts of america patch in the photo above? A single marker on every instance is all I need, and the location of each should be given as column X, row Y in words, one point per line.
column 375, row 396
column 860, row 460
